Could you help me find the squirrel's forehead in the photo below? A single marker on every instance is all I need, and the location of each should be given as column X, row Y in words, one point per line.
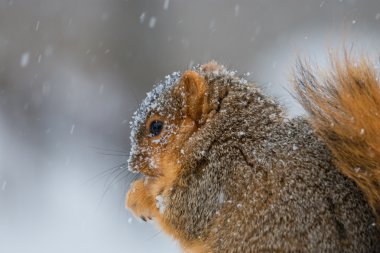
column 155, row 100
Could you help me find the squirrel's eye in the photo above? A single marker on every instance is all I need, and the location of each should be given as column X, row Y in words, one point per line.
column 155, row 127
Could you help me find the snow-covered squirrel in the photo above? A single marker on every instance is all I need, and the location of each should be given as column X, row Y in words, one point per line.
column 226, row 171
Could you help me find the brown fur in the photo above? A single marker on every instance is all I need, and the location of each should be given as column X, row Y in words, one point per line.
column 141, row 199
column 344, row 108
column 234, row 176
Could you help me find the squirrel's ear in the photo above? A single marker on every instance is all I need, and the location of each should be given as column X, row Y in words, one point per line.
column 194, row 87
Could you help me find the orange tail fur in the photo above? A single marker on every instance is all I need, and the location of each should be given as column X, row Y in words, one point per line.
column 344, row 108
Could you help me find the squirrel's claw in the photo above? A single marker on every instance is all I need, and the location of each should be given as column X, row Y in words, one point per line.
column 139, row 201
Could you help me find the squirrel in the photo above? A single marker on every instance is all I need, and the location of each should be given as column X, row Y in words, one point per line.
column 225, row 170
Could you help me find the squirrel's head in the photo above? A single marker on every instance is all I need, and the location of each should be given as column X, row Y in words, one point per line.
column 168, row 117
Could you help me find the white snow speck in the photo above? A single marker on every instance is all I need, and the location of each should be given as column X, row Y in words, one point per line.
column 322, row 3
column 39, row 58
column 211, row 25
column 377, row 16
column 295, row 147
column 221, row 197
column 354, row 22
column 37, row 25
column 4, row 185
column 362, row 131
column 156, row 141
column 166, row 4
column 240, row 206
column 142, row 17
column 237, row 10
column 160, row 204
column 72, row 129
column 129, row 220
column 152, row 22
column 272, row 116
column 357, row 169
column 24, row 59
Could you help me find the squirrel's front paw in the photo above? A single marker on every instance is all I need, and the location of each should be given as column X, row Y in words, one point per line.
column 139, row 201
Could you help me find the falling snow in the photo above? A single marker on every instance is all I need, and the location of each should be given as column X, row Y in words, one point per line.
column 24, row 59
column 4, row 185
column 237, row 10
column 152, row 22
column 166, row 4
column 142, row 17
column 37, row 25
column 72, row 129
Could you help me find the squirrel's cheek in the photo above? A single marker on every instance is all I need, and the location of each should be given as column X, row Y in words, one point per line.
column 153, row 163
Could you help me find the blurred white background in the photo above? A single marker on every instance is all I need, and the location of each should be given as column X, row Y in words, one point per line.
column 73, row 71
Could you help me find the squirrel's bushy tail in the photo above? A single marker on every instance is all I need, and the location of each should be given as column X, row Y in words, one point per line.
column 344, row 108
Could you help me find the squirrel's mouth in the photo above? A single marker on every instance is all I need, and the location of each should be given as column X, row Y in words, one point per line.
column 147, row 172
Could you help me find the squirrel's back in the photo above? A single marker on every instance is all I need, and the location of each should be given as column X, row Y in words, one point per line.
column 278, row 188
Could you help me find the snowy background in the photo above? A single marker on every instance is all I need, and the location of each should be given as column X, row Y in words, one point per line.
column 73, row 71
